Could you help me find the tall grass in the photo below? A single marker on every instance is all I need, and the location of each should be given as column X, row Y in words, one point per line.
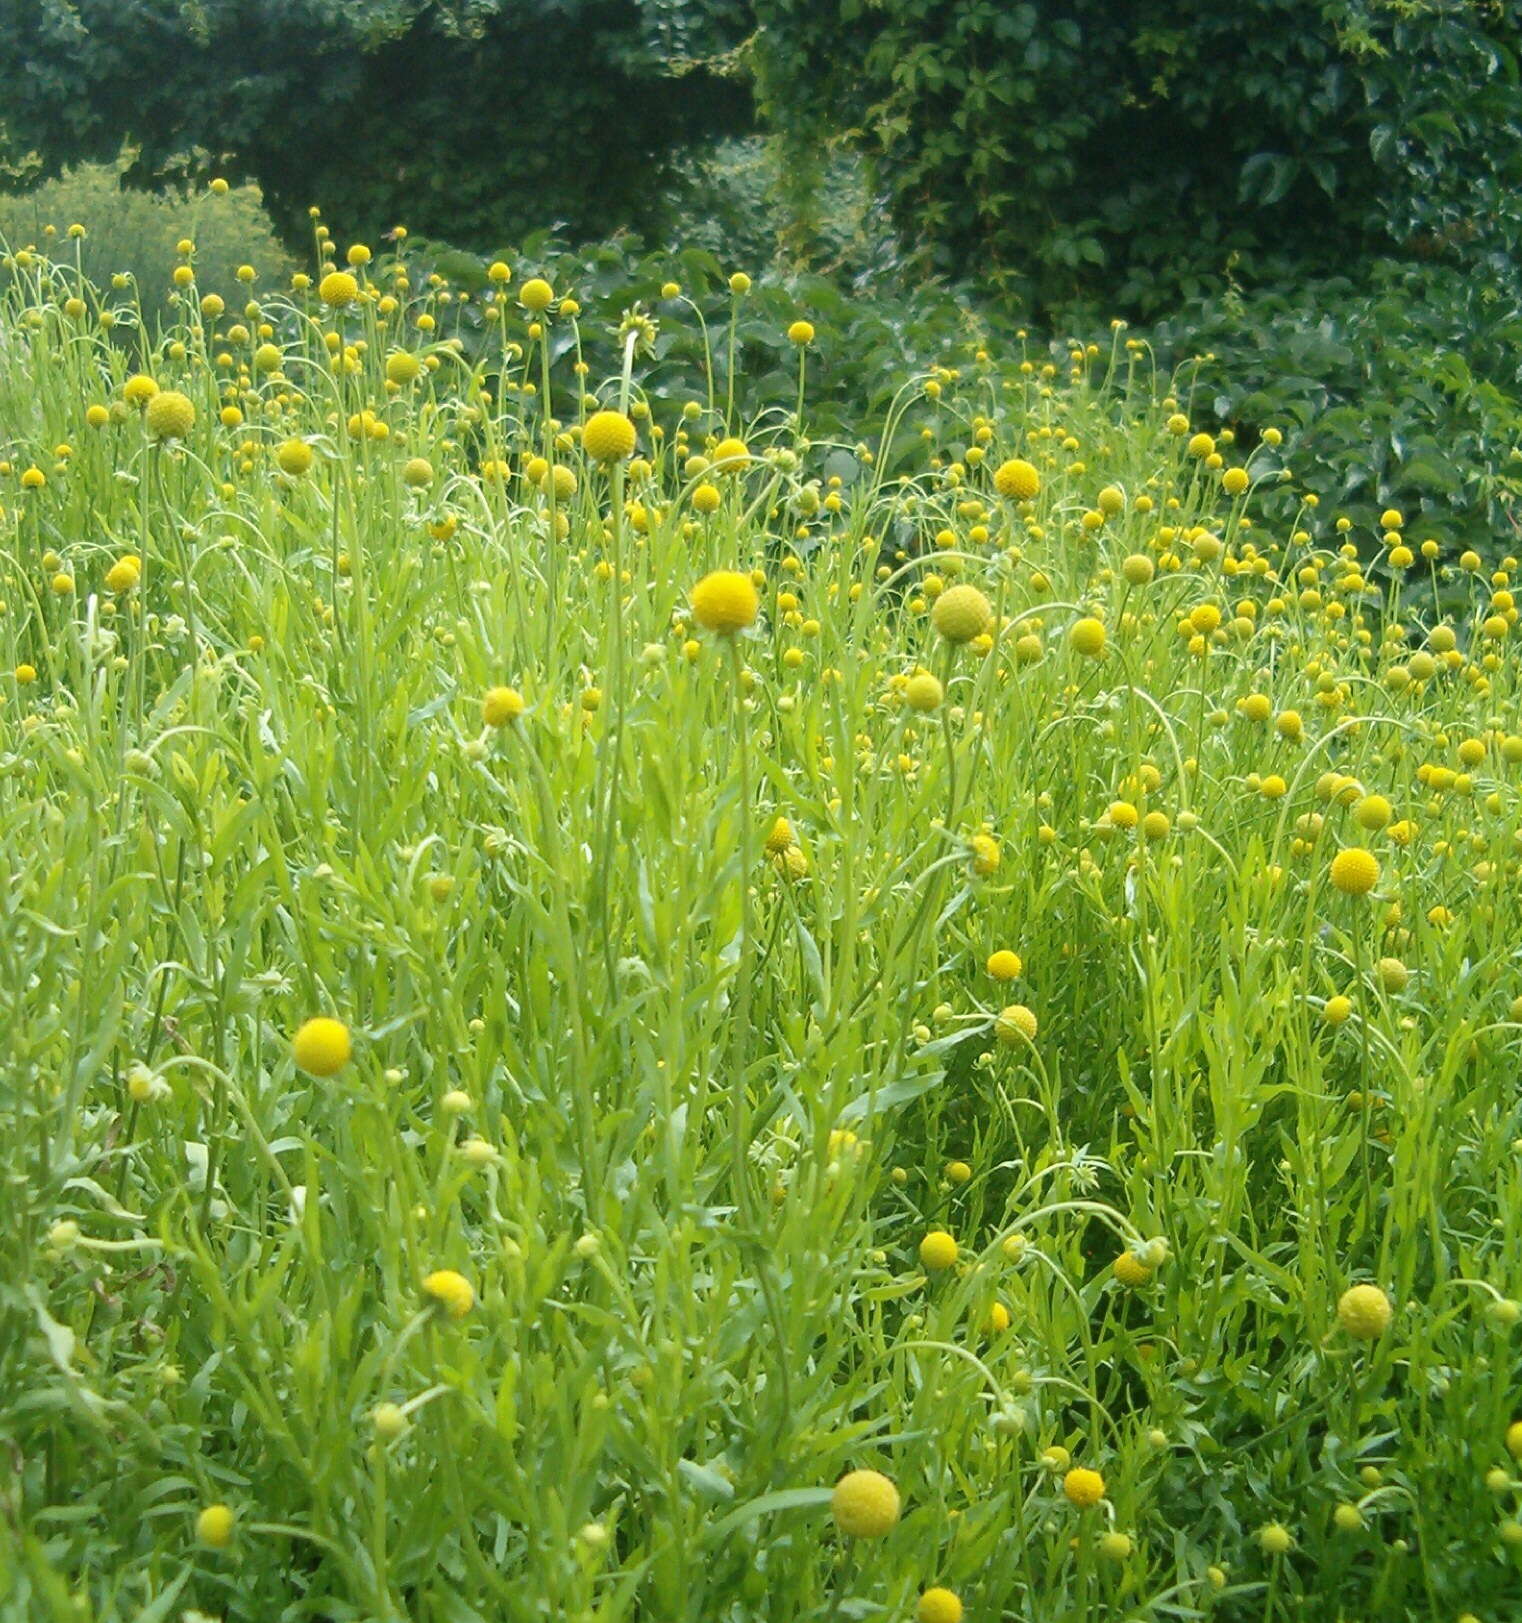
column 680, row 1095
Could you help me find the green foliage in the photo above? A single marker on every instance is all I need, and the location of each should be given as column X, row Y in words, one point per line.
column 679, row 1110
column 1083, row 152
column 478, row 118
column 1406, row 384
column 866, row 348
column 134, row 233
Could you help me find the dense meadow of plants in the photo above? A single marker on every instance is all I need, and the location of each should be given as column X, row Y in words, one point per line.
column 633, row 991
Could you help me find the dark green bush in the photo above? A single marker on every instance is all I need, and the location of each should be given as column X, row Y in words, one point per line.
column 1078, row 151
column 1402, row 388
column 471, row 119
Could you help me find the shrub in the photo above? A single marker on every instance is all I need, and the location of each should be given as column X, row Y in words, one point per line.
column 1087, row 152
column 484, row 116
column 1406, row 380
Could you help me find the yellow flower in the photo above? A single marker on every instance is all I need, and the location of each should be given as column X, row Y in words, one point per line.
column 338, row 289
column 1017, row 479
column 1014, row 1025
column 321, row 1047
column 938, row 1250
column 923, row 692
column 169, row 415
column 500, row 706
column 294, row 457
column 139, row 389
column 1083, row 1487
column 1088, row 636
column 402, row 366
column 451, row 1291
column 1364, row 1311
column 608, row 437
column 779, row 838
column 536, row 295
column 801, row 333
column 214, row 1526
column 1275, row 1539
column 1354, row 871
column 938, row 1606
column 1130, row 1270
column 123, row 575
column 961, row 613
column 985, row 853
column 1004, row 965
column 730, row 456
column 865, row 1504
column 725, row 601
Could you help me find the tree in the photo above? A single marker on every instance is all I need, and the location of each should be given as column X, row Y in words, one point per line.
column 1080, row 150
column 471, row 120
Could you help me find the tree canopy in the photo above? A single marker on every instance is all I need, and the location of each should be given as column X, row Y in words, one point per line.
column 473, row 119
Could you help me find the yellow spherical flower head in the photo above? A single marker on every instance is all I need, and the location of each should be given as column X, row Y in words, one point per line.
column 801, row 333
column 865, row 1504
column 1364, row 1311
column 169, row 415
column 725, row 602
column 451, row 1291
column 1354, row 871
column 214, row 1526
column 501, row 706
column 1017, row 479
column 961, row 613
column 139, row 389
column 730, row 455
column 293, row 457
column 1083, row 1487
column 1130, row 1271
column 1514, row 1439
column 322, row 1047
column 1393, row 975
column 402, row 367
column 1004, row 965
column 1015, row 1025
column 779, row 838
column 1087, row 636
column 985, row 854
column 536, row 295
column 1275, row 1539
column 338, row 289
column 123, row 575
column 938, row 1606
column 923, row 692
column 608, row 437
column 938, row 1250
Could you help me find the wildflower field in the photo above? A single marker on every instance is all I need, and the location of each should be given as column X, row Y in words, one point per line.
column 614, row 1007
